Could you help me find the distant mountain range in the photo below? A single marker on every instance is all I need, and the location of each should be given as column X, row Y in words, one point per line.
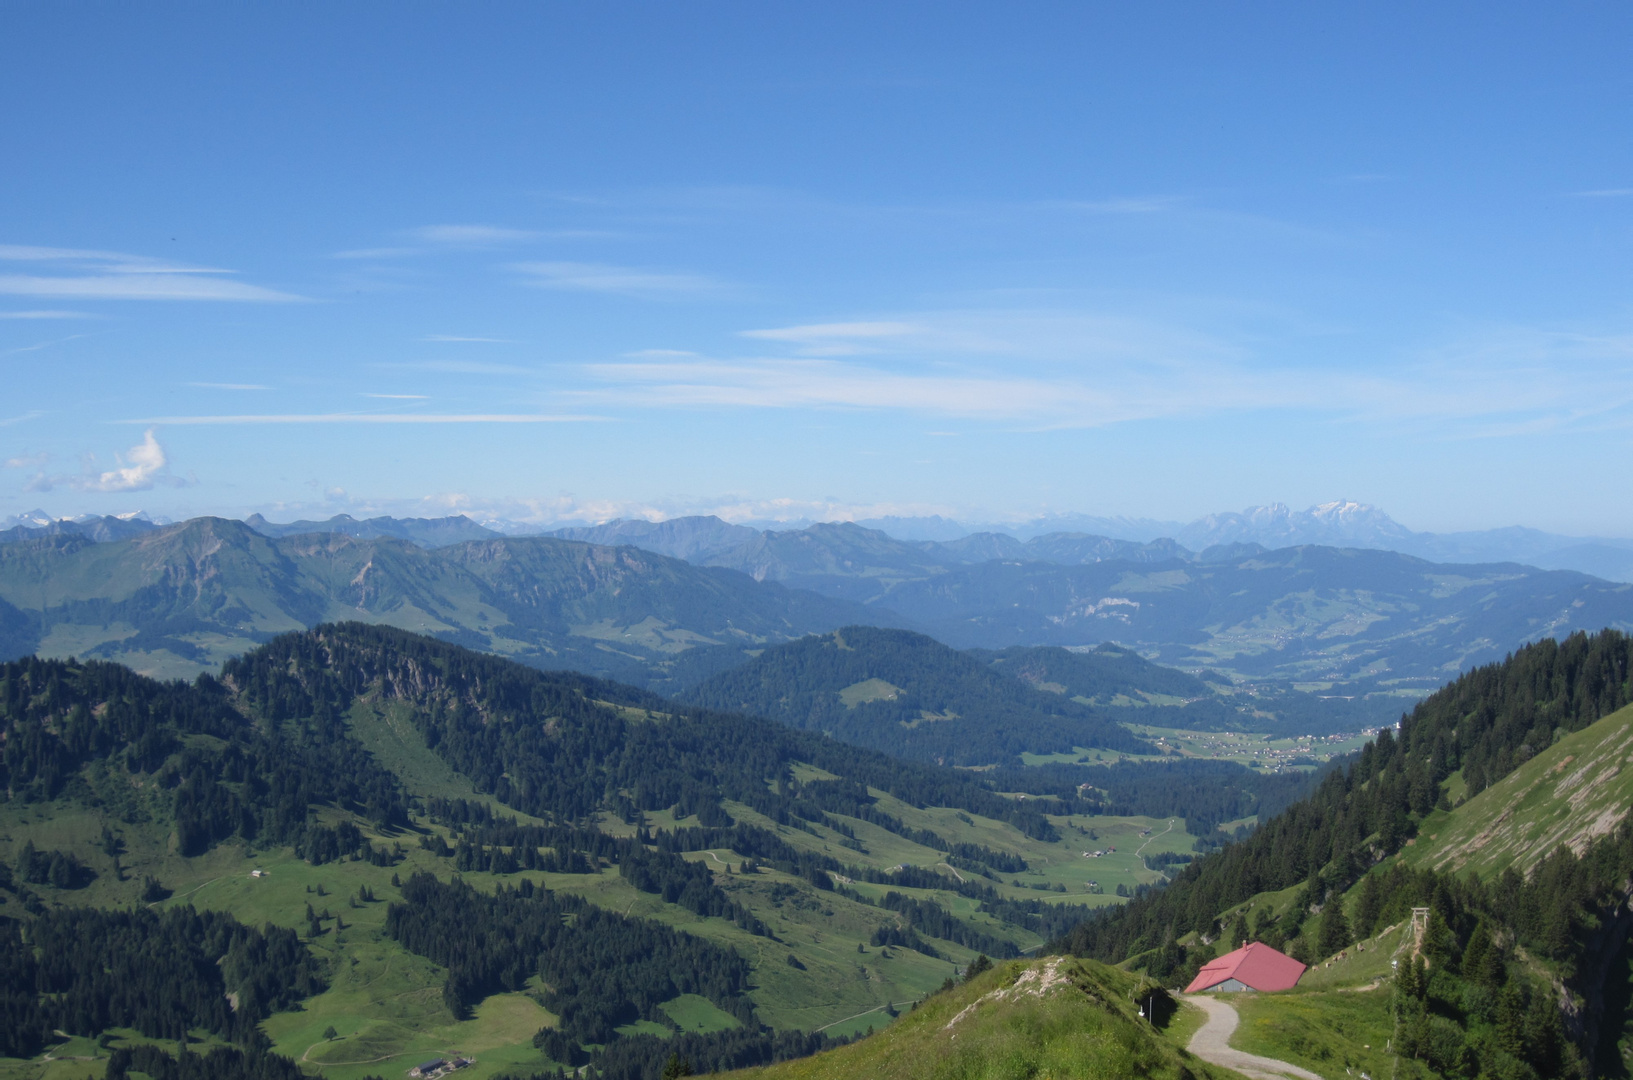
column 99, row 529
column 422, row 532
column 668, row 604
column 1360, row 617
column 181, row 599
column 1060, row 538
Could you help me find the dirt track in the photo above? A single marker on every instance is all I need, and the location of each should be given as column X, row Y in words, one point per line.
column 1212, row 1043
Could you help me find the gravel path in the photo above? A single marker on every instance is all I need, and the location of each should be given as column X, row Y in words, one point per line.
column 1212, row 1043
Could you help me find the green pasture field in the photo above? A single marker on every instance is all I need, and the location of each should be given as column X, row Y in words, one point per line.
column 1331, row 1032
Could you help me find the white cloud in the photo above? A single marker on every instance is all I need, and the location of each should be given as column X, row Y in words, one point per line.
column 158, row 286
column 459, row 367
column 28, row 461
column 110, row 275
column 829, row 331
column 376, row 253
column 228, row 386
column 37, row 346
column 1027, row 367
column 812, row 383
column 621, row 280
column 399, row 397
column 371, row 418
column 30, row 415
column 1043, row 369
column 140, row 468
column 567, row 509
column 834, row 339
column 1147, row 204
column 472, row 235
column 46, row 315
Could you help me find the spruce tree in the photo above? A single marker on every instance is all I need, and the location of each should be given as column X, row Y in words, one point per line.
column 1335, row 934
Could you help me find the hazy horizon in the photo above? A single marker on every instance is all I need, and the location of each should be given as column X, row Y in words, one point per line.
column 988, row 264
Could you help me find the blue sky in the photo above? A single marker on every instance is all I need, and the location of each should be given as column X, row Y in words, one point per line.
column 828, row 259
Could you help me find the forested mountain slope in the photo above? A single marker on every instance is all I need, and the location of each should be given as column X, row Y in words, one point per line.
column 1101, row 676
column 909, row 695
column 452, row 850
column 1361, row 851
column 181, row 599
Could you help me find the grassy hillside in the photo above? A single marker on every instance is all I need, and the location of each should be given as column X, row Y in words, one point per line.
column 1521, row 858
column 1574, row 792
column 1052, row 1018
column 180, row 600
column 848, row 884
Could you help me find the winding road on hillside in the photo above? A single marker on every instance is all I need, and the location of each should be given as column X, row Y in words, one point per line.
column 1139, row 851
column 1212, row 1043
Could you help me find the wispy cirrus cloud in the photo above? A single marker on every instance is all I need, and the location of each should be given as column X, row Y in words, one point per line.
column 370, row 418
column 75, row 273
column 455, row 339
column 472, row 235
column 834, row 339
column 27, row 461
column 38, row 345
column 458, row 367
column 820, row 383
column 1133, row 204
column 1053, row 369
column 227, row 386
column 619, row 280
column 376, row 253
column 46, row 315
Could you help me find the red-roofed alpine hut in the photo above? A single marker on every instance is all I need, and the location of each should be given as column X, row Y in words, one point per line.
column 1255, row 966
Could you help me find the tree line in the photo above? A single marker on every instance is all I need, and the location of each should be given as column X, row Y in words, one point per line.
column 600, row 969
column 1489, row 720
column 84, row 970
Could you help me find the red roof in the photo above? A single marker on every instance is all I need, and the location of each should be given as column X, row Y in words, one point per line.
column 1255, row 965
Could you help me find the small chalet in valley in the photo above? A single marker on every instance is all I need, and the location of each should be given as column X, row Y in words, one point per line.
column 1255, row 966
